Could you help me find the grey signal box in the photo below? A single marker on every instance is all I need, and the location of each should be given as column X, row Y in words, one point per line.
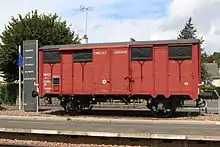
column 30, row 74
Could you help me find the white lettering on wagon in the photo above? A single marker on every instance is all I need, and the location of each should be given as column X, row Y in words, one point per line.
column 100, row 53
column 48, row 89
column 46, row 74
column 46, row 81
column 121, row 52
column 46, row 78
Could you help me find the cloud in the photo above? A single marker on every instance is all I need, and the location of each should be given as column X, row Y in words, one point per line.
column 204, row 15
column 119, row 20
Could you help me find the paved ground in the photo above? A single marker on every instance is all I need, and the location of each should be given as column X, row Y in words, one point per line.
column 115, row 127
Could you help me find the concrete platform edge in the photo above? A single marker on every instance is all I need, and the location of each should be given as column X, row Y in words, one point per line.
column 112, row 134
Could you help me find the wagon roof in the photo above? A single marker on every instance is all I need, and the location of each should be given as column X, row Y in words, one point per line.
column 176, row 41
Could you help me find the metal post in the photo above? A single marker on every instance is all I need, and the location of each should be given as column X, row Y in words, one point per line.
column 86, row 25
column 19, row 81
column 86, row 21
column 218, row 96
column 86, row 9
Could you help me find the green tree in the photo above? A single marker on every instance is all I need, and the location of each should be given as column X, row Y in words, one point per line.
column 189, row 32
column 47, row 29
column 215, row 57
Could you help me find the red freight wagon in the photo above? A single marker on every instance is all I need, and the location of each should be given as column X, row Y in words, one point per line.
column 163, row 73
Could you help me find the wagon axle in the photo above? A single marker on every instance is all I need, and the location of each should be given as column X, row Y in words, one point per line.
column 162, row 107
column 74, row 106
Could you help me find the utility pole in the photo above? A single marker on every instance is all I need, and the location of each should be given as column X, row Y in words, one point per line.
column 19, row 73
column 85, row 9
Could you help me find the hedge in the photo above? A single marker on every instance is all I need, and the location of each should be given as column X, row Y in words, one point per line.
column 211, row 88
column 8, row 93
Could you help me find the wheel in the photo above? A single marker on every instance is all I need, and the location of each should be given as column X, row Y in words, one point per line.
column 47, row 101
column 70, row 106
column 73, row 106
column 87, row 109
column 201, row 103
column 162, row 108
column 34, row 93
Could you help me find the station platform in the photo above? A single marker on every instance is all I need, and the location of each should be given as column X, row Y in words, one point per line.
column 144, row 129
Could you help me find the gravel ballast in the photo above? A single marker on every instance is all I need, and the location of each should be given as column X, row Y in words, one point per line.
column 50, row 144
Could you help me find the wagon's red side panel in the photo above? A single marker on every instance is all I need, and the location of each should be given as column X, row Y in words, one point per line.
column 40, row 76
column 101, row 71
column 88, row 81
column 142, row 74
column 181, row 77
column 160, row 70
column 78, row 78
column 67, row 71
column 143, row 78
column 83, row 78
column 184, row 74
column 197, row 68
column 164, row 76
column 49, row 75
column 120, row 71
column 111, row 71
column 51, row 72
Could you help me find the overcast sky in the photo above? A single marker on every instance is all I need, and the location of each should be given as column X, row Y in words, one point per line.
column 119, row 20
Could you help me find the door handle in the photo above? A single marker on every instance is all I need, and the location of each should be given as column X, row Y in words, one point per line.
column 128, row 77
column 193, row 76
